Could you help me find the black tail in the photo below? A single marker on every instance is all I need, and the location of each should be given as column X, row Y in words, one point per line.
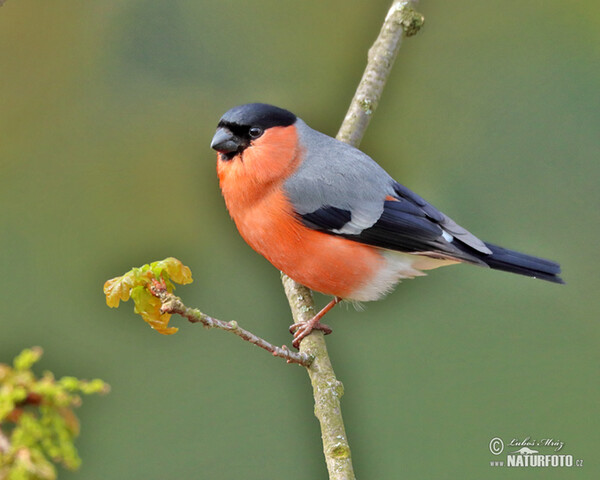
column 516, row 262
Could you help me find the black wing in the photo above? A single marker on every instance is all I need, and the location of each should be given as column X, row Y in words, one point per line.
column 407, row 224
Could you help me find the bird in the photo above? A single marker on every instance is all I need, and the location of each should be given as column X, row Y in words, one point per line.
column 332, row 219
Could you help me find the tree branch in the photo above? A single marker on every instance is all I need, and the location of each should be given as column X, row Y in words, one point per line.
column 172, row 304
column 401, row 17
column 327, row 390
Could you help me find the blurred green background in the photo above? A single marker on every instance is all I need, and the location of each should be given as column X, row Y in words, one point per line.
column 492, row 113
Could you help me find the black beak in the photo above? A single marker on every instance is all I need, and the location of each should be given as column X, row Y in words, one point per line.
column 224, row 141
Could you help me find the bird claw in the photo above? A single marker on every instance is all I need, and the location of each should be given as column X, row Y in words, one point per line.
column 303, row 329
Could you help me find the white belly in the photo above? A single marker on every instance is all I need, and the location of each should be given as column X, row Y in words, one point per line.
column 398, row 266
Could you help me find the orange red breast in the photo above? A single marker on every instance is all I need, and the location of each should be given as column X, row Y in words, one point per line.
column 252, row 186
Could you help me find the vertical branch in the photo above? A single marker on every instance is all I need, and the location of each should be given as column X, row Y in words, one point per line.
column 327, row 390
column 400, row 18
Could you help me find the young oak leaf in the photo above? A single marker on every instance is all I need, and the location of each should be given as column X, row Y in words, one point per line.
column 148, row 306
column 118, row 288
column 135, row 284
column 176, row 270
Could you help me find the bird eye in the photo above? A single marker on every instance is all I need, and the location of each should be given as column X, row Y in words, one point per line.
column 255, row 132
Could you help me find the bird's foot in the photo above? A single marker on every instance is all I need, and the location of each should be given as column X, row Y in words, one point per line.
column 303, row 329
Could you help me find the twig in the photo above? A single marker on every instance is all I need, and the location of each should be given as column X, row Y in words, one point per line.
column 327, row 390
column 173, row 304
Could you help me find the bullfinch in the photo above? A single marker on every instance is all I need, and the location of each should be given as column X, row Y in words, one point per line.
column 332, row 219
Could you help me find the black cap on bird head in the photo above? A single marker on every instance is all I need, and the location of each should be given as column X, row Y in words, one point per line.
column 244, row 123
